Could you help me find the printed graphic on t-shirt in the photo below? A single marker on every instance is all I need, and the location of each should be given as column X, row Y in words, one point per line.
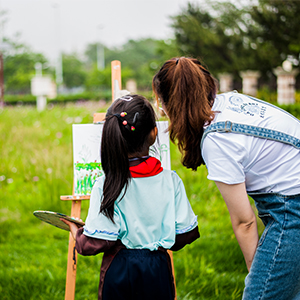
column 248, row 108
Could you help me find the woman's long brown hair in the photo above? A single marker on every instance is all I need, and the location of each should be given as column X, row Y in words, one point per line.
column 187, row 90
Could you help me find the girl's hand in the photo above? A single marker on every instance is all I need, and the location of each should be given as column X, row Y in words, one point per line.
column 73, row 227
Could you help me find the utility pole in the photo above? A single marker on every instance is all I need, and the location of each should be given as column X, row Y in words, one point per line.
column 58, row 64
column 100, row 50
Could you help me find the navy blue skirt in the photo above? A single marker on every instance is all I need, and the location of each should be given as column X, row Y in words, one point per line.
column 138, row 274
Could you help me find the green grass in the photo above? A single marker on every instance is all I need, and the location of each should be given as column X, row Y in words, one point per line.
column 36, row 169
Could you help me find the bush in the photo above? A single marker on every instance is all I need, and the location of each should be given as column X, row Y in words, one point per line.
column 263, row 94
column 293, row 109
column 266, row 94
column 30, row 99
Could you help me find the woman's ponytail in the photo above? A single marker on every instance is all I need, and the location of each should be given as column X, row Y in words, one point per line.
column 187, row 90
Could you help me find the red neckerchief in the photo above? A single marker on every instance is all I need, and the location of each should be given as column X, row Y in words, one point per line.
column 150, row 167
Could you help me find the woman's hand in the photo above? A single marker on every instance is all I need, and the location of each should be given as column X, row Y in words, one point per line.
column 73, row 227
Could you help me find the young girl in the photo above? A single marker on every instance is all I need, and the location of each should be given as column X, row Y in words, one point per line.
column 137, row 210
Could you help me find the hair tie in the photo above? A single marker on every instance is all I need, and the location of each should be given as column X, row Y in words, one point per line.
column 126, row 98
column 177, row 60
column 118, row 116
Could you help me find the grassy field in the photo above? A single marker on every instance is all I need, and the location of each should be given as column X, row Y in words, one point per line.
column 36, row 168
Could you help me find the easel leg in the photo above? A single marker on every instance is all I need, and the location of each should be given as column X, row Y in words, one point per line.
column 116, row 83
column 72, row 257
column 173, row 270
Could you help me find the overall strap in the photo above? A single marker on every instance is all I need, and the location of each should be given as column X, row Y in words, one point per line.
column 260, row 132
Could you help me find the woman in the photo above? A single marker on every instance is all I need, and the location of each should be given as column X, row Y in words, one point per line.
column 249, row 147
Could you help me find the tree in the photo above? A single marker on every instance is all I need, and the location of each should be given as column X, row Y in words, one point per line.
column 19, row 67
column 218, row 40
column 139, row 57
column 96, row 79
column 167, row 49
column 91, row 54
column 276, row 30
column 74, row 74
column 101, row 79
column 232, row 39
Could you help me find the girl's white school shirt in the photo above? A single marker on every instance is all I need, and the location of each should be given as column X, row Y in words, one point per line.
column 265, row 165
column 153, row 210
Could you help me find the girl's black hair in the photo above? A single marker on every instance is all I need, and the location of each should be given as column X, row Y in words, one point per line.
column 126, row 132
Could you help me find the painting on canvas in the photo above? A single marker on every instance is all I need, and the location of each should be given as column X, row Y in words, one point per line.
column 86, row 153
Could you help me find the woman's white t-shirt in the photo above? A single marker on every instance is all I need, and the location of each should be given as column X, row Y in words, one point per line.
column 264, row 165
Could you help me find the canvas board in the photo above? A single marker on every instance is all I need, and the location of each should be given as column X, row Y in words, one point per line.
column 86, row 153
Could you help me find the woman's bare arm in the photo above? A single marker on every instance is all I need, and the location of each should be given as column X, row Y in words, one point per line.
column 242, row 218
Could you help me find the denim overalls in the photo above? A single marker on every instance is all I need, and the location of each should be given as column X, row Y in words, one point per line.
column 275, row 271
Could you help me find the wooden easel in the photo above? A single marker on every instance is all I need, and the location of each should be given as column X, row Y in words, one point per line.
column 76, row 200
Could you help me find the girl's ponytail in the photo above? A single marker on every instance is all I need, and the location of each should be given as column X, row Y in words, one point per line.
column 126, row 132
column 115, row 164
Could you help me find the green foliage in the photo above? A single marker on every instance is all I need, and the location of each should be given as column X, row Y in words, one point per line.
column 19, row 69
column 91, row 54
column 227, row 37
column 218, row 41
column 271, row 96
column 19, row 99
column 293, row 109
column 267, row 95
column 231, row 39
column 73, row 71
column 30, row 99
column 277, row 24
column 104, row 94
column 98, row 80
column 36, row 169
column 138, row 59
column 166, row 49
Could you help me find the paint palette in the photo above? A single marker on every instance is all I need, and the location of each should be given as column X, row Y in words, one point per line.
column 53, row 218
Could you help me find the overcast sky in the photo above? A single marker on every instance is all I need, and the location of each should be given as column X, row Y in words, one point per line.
column 49, row 25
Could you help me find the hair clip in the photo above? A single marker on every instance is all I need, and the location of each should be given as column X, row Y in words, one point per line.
column 132, row 128
column 124, row 122
column 123, row 114
column 135, row 118
column 126, row 98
